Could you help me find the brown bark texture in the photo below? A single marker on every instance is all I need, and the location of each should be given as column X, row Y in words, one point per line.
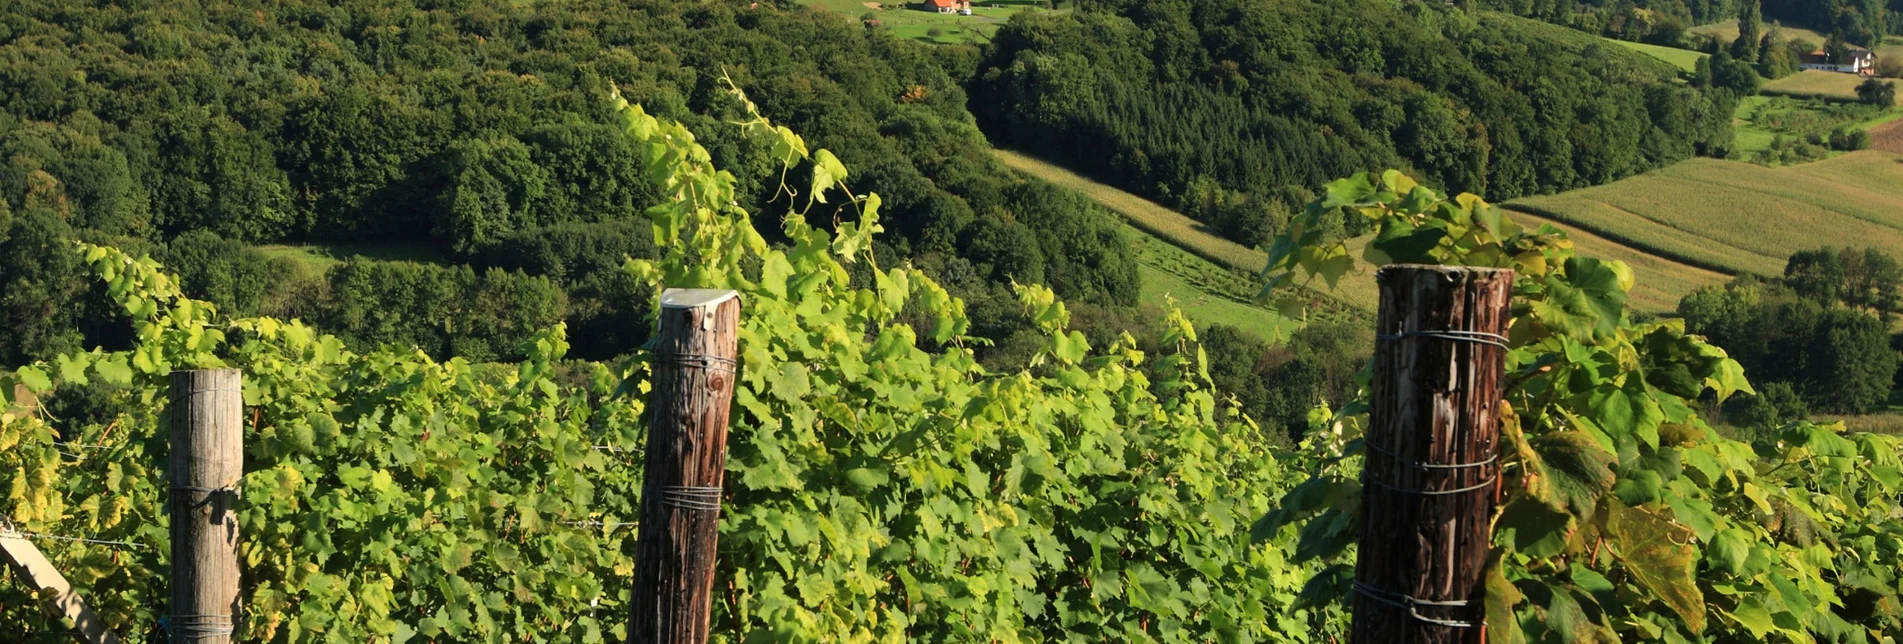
column 688, row 408
column 1430, row 482
column 207, row 464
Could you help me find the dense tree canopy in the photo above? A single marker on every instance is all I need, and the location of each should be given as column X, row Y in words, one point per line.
column 461, row 129
column 1822, row 329
column 1268, row 100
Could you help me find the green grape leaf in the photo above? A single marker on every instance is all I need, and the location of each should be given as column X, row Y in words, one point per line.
column 1729, row 550
column 1533, row 528
column 1573, row 472
column 35, row 380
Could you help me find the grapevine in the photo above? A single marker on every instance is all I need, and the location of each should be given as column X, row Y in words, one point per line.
column 877, row 490
column 1626, row 517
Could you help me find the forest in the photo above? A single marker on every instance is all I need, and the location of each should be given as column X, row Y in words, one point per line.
column 456, row 143
column 470, row 134
column 1663, row 22
column 1237, row 111
column 430, row 232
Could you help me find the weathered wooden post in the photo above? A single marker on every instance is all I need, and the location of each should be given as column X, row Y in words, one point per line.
column 207, row 464
column 1433, row 455
column 694, row 373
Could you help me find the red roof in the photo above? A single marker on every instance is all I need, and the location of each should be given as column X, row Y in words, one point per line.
column 941, row 4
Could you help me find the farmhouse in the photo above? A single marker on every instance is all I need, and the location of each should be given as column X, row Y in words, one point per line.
column 947, row 6
column 1857, row 61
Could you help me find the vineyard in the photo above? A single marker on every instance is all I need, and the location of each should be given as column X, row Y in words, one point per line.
column 883, row 486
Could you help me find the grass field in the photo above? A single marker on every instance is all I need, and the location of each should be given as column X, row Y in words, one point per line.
column 1684, row 59
column 1747, row 136
column 1735, row 217
column 1728, row 31
column 1662, row 281
column 905, row 20
column 1814, row 82
column 315, row 259
column 1207, row 293
column 1357, row 290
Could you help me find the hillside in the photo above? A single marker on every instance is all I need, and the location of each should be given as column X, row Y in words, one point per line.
column 477, row 137
column 1812, row 82
column 1747, row 218
column 1238, row 136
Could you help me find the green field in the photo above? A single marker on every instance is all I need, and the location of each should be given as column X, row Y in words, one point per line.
column 1735, row 217
column 1746, row 135
column 1812, row 82
column 1357, row 291
column 1728, row 31
column 1662, row 281
column 1684, row 59
column 1207, row 293
column 315, row 259
column 906, row 20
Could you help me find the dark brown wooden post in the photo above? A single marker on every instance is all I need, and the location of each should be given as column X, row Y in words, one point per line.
column 1432, row 464
column 207, row 464
column 694, row 373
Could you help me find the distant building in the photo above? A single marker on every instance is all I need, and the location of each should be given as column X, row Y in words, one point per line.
column 947, row 6
column 1858, row 61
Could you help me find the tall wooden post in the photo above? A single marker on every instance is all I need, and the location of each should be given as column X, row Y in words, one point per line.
column 207, row 463
column 694, row 375
column 1432, row 462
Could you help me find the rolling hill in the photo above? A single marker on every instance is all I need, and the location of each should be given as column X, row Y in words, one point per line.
column 1705, row 217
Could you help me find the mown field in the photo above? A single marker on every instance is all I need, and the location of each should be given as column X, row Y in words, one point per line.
column 1208, row 267
column 1819, row 83
column 1684, row 59
column 1728, row 31
column 906, row 20
column 1168, row 225
column 1207, row 293
column 1734, row 217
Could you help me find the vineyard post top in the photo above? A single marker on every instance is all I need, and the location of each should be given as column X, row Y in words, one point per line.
column 693, row 298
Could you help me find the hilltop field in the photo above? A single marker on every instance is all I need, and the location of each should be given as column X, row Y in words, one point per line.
column 1703, row 217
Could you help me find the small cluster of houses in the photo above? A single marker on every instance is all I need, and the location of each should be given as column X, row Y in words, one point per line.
column 960, row 7
column 1858, row 61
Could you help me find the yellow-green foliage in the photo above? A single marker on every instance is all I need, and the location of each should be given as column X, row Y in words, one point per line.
column 882, row 486
column 1624, row 517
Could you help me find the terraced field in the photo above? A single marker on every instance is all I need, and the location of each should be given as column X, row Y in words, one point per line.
column 1734, row 217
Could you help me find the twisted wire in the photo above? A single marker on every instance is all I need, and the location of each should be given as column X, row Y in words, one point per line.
column 1409, row 603
column 1478, row 337
column 710, row 363
column 691, row 498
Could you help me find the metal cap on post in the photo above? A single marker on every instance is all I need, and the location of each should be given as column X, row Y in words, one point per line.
column 207, row 464
column 694, row 372
column 1430, row 482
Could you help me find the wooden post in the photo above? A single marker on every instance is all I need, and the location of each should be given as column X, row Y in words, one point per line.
column 207, row 463
column 40, row 575
column 694, row 373
column 1432, row 462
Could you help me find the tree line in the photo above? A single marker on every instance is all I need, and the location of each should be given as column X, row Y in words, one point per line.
column 1819, row 334
column 475, row 132
column 1664, row 22
column 1235, row 111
